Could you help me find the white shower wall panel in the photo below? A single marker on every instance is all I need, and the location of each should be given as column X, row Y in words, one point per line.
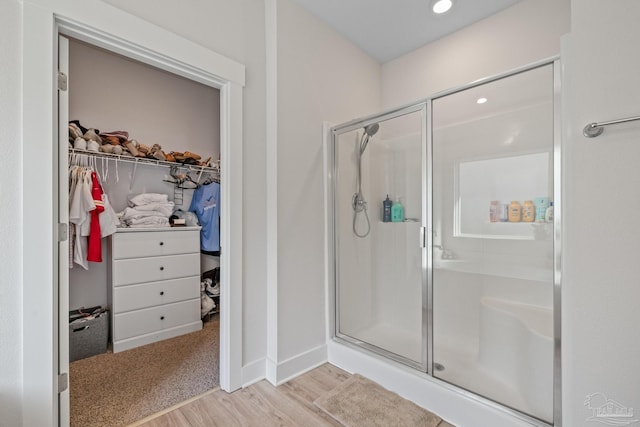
column 395, row 171
column 357, row 307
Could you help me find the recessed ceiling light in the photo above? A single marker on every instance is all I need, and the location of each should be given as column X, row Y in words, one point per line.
column 481, row 100
column 441, row 6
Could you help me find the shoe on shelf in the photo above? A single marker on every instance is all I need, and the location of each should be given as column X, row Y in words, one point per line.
column 74, row 132
column 213, row 290
column 206, row 304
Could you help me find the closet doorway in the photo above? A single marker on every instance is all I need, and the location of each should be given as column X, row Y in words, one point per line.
column 205, row 128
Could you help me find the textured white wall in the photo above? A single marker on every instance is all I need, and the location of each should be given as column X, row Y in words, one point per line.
column 601, row 334
column 321, row 77
column 11, row 223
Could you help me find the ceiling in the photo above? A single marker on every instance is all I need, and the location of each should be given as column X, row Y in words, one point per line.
column 387, row 29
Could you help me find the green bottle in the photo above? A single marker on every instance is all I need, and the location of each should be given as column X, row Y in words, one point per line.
column 397, row 211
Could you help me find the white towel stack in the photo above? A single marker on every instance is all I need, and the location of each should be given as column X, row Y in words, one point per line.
column 148, row 210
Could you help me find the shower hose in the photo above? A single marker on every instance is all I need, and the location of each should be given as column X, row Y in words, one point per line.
column 360, row 205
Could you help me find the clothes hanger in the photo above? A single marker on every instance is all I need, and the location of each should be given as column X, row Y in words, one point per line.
column 181, row 178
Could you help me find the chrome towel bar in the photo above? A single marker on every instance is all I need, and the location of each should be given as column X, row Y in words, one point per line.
column 594, row 129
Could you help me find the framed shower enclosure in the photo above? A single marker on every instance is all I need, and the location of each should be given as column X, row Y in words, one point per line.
column 444, row 238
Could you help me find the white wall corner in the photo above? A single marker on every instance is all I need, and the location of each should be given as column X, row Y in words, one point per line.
column 254, row 372
column 281, row 372
column 271, row 42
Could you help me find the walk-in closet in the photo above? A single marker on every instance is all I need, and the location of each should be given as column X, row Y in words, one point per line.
column 144, row 236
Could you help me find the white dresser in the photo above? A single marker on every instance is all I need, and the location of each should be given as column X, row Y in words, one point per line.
column 155, row 285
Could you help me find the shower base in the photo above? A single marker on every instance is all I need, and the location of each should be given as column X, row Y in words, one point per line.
column 465, row 371
column 394, row 339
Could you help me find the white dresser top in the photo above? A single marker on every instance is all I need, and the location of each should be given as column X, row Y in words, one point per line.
column 152, row 229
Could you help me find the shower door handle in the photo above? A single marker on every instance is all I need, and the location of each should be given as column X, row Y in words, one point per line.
column 423, row 237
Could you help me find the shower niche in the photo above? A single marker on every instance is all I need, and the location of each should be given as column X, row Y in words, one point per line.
column 456, row 289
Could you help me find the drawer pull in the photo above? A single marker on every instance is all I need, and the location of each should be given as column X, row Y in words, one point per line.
column 161, row 268
column 161, row 243
column 161, row 317
column 161, row 292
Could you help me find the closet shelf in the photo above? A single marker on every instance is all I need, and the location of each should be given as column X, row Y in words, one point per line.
column 145, row 161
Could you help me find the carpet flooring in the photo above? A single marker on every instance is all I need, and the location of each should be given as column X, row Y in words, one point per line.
column 116, row 389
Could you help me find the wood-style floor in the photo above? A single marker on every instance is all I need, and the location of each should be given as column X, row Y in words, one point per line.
column 261, row 404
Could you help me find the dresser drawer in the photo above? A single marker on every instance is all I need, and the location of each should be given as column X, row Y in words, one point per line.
column 134, row 297
column 143, row 270
column 148, row 320
column 154, row 243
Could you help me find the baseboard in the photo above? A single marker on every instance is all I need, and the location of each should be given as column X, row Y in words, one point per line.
column 457, row 406
column 279, row 373
column 253, row 372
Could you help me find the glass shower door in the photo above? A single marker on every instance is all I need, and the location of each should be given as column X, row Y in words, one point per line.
column 380, row 257
column 493, row 240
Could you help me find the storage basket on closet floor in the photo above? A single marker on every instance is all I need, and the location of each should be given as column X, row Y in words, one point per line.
column 88, row 338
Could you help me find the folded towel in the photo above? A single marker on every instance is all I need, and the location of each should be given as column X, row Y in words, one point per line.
column 133, row 213
column 164, row 208
column 146, row 198
column 151, row 221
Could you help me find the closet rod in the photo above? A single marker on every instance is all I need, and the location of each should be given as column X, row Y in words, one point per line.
column 145, row 161
column 595, row 129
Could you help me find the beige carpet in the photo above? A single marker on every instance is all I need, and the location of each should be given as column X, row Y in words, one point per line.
column 359, row 402
column 118, row 389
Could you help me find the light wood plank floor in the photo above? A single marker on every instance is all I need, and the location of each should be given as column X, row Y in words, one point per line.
column 261, row 404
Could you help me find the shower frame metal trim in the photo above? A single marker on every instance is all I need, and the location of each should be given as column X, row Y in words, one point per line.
column 336, row 131
column 556, row 64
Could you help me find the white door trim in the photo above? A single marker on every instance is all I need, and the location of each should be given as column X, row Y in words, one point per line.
column 97, row 23
column 61, row 199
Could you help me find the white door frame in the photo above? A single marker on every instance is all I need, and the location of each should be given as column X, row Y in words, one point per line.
column 98, row 23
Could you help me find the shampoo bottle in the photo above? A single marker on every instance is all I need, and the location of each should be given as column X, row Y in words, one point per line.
column 386, row 209
column 528, row 211
column 493, row 210
column 548, row 217
column 397, row 211
column 515, row 211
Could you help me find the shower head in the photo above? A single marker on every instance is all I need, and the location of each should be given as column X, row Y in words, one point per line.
column 369, row 131
column 372, row 129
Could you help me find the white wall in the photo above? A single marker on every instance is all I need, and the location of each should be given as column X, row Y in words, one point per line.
column 600, row 291
column 526, row 32
column 235, row 29
column 111, row 92
column 11, row 222
column 320, row 77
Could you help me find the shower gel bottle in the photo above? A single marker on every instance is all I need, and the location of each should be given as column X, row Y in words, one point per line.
column 386, row 210
column 397, row 211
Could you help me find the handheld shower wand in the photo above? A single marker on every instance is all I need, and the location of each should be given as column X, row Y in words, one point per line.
column 358, row 202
